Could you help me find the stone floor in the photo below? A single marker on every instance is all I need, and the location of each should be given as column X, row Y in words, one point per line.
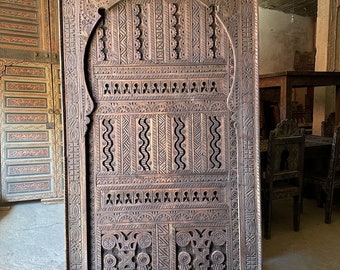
column 32, row 238
column 315, row 247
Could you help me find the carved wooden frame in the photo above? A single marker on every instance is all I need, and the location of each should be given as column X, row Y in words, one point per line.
column 78, row 20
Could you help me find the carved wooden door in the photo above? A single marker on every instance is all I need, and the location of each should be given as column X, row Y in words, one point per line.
column 30, row 103
column 168, row 155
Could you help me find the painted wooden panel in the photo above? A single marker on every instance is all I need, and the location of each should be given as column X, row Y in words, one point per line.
column 30, row 106
column 27, row 142
column 23, row 24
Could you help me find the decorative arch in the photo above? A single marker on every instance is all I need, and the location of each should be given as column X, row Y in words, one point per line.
column 163, row 119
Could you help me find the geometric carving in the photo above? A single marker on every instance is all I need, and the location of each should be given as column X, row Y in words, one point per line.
column 127, row 250
column 213, row 26
column 166, row 130
column 139, row 33
column 121, row 151
column 176, row 27
column 148, row 197
column 160, row 87
column 201, row 249
column 103, row 39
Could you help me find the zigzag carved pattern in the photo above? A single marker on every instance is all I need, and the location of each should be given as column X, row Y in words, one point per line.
column 162, row 143
column 180, row 138
column 159, row 32
column 126, row 144
column 197, row 143
column 145, row 143
column 123, row 32
column 108, row 162
column 196, row 31
column 216, row 138
column 163, row 247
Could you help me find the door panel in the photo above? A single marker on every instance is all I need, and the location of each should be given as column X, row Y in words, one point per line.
column 24, row 30
column 161, row 135
column 27, row 134
column 30, row 107
column 160, row 150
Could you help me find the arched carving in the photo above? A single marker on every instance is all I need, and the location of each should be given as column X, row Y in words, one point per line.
column 168, row 160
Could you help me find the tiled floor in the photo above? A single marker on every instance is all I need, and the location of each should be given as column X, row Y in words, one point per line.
column 32, row 237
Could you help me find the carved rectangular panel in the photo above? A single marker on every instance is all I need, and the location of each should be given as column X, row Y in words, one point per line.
column 162, row 134
column 20, row 188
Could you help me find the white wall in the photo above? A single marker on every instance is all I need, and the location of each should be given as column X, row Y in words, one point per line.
column 279, row 39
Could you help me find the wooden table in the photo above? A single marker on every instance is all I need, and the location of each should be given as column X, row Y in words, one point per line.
column 312, row 142
column 288, row 80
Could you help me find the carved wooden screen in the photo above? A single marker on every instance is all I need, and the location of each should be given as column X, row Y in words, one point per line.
column 166, row 132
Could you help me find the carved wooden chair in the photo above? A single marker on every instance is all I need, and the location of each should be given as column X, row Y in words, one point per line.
column 327, row 126
column 284, row 173
column 325, row 184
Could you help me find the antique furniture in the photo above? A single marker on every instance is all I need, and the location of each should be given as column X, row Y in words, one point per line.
column 286, row 81
column 327, row 126
column 316, row 159
column 161, row 134
column 312, row 143
column 284, row 173
column 329, row 180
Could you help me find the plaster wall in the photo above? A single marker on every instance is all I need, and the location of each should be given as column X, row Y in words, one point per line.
column 324, row 97
column 279, row 38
